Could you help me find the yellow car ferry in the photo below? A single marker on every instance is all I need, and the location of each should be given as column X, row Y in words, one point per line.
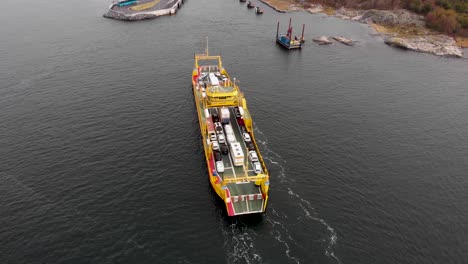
column 236, row 169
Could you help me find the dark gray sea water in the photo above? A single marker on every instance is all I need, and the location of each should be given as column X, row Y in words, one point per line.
column 101, row 159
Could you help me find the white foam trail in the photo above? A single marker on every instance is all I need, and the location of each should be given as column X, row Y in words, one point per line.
column 288, row 251
column 278, row 235
column 304, row 204
column 239, row 243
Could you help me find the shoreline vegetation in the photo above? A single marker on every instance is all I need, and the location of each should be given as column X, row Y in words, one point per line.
column 400, row 27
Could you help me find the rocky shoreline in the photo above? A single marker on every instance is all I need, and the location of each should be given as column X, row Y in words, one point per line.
column 413, row 36
column 426, row 42
column 435, row 45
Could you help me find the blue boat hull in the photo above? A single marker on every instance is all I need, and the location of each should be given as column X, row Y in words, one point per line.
column 288, row 45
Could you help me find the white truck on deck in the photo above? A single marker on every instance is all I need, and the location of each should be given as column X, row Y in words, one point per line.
column 225, row 115
column 237, row 154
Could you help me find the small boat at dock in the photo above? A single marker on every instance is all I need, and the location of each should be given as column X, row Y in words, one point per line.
column 289, row 41
column 250, row 4
column 258, row 10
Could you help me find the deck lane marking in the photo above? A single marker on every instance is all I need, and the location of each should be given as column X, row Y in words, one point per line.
column 232, row 167
column 241, row 136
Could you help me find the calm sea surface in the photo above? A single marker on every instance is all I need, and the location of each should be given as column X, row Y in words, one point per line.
column 101, row 159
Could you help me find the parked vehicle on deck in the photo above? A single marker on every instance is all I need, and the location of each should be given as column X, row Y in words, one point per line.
column 250, row 146
column 224, row 149
column 246, row 137
column 219, row 166
column 231, row 138
column 217, row 155
column 214, row 114
column 253, row 156
column 215, row 145
column 218, row 127
column 237, row 154
column 221, row 139
column 257, row 168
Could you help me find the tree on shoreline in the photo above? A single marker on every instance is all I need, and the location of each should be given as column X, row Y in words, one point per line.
column 443, row 20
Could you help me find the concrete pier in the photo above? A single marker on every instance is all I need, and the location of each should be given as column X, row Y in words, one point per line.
column 143, row 9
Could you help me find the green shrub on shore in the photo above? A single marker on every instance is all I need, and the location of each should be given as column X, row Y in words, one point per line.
column 461, row 7
column 443, row 20
column 426, row 8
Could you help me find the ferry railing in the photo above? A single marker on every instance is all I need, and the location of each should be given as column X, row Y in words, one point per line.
column 201, row 57
column 246, row 178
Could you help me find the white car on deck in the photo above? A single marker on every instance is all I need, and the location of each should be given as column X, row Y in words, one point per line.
column 215, row 145
column 246, row 137
column 253, row 156
column 221, row 139
column 219, row 166
column 257, row 167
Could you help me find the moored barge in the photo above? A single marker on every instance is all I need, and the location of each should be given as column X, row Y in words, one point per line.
column 287, row 40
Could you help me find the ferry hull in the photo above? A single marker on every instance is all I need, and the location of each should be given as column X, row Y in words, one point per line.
column 242, row 190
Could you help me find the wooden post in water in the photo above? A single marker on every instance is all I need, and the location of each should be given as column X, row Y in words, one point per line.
column 289, row 29
column 277, row 30
column 302, row 38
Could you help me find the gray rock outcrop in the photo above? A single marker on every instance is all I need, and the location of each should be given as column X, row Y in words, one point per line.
column 437, row 45
column 399, row 17
column 323, row 40
column 344, row 40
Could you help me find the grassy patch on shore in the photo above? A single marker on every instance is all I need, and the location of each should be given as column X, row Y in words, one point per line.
column 145, row 6
column 462, row 42
column 400, row 31
column 329, row 10
column 380, row 29
column 410, row 32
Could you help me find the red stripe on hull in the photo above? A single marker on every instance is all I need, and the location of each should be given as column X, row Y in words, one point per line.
column 230, row 207
column 211, row 166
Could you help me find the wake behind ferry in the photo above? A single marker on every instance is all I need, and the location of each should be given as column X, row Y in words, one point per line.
column 236, row 169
